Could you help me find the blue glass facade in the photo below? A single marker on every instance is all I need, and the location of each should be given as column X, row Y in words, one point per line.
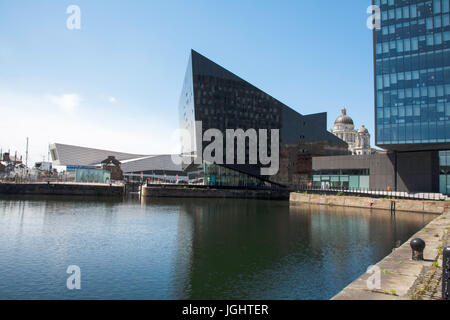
column 412, row 74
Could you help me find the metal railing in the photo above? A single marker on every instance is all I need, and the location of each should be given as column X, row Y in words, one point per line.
column 375, row 193
column 446, row 274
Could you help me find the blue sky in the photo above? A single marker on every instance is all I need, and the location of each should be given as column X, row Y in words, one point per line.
column 115, row 83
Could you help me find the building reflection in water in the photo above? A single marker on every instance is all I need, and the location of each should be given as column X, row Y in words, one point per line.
column 190, row 248
column 247, row 249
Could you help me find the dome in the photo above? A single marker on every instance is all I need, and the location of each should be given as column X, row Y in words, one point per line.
column 363, row 130
column 344, row 118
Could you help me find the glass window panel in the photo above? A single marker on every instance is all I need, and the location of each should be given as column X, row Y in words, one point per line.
column 386, row 81
column 391, row 29
column 437, row 21
column 407, row 45
column 379, row 82
column 408, row 75
column 447, row 89
column 391, row 14
column 408, row 92
column 436, row 6
column 446, row 36
column 364, row 182
column 438, row 38
column 379, row 99
column 429, row 23
column 443, row 184
column 406, row 12
column 393, row 78
column 413, row 11
column 431, row 92
column 399, row 45
column 445, row 6
column 446, row 20
column 414, row 44
column 379, row 48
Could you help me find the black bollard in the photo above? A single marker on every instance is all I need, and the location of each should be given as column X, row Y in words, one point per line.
column 417, row 246
column 446, row 274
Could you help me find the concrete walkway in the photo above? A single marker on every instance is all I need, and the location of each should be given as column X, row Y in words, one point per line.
column 400, row 275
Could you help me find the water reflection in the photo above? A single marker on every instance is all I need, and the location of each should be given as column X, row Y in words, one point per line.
column 190, row 248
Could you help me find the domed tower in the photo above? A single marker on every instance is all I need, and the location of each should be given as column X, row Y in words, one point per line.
column 362, row 143
column 345, row 129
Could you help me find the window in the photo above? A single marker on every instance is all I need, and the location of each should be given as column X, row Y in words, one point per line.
column 399, row 45
column 429, row 23
column 436, row 6
column 445, row 20
column 413, row 10
column 414, row 44
column 445, row 6
column 406, row 12
column 437, row 21
column 438, row 38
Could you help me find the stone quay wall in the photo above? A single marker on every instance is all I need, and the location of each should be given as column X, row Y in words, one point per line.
column 78, row 189
column 192, row 192
column 424, row 206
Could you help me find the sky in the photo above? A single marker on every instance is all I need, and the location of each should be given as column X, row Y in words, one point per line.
column 115, row 82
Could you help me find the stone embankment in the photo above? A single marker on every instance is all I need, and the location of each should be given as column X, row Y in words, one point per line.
column 435, row 207
column 203, row 192
column 59, row 188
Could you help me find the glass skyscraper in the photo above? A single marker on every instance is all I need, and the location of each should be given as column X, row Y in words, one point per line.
column 412, row 71
column 412, row 85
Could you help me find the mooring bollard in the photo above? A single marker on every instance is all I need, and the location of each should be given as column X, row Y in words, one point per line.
column 446, row 274
column 417, row 246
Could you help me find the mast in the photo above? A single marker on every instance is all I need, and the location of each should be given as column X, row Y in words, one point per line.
column 26, row 156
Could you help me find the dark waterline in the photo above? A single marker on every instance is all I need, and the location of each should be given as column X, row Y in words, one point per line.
column 189, row 248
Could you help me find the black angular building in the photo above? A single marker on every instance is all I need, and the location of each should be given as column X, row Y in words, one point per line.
column 221, row 100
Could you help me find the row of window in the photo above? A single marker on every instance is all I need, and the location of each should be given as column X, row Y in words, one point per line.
column 346, row 182
column 421, row 132
column 415, row 79
column 423, row 43
column 412, row 96
column 419, row 28
column 417, row 8
column 423, row 61
column 437, row 112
